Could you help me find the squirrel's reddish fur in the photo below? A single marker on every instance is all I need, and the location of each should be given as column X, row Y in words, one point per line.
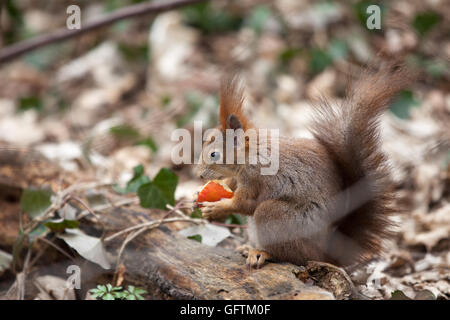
column 331, row 199
column 350, row 134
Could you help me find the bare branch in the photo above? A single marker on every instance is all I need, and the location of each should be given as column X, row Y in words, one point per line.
column 16, row 50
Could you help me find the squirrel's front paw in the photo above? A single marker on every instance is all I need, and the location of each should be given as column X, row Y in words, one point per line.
column 212, row 210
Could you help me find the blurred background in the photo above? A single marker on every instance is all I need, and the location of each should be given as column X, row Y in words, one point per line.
column 103, row 103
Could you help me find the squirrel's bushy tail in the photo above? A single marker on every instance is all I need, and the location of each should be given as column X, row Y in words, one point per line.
column 350, row 134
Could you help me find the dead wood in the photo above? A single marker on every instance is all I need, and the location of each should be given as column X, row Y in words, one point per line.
column 172, row 266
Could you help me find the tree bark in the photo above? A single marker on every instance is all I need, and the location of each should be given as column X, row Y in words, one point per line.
column 174, row 267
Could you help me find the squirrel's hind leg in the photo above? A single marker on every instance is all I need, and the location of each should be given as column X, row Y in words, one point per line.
column 255, row 258
column 290, row 232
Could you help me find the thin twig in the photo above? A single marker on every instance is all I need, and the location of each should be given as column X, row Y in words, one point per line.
column 151, row 225
column 61, row 199
column 176, row 209
column 38, row 255
column 21, row 276
column 120, row 203
column 128, row 239
column 50, row 243
column 229, row 225
column 155, row 224
column 83, row 186
column 72, row 197
column 25, row 46
column 1, row 23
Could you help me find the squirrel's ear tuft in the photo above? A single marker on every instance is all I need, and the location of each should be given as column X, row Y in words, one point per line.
column 231, row 100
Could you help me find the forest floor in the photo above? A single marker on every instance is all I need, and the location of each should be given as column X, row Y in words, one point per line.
column 102, row 108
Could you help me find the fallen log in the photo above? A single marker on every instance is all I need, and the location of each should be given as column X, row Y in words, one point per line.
column 173, row 267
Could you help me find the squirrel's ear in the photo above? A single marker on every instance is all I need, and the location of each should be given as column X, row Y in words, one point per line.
column 231, row 100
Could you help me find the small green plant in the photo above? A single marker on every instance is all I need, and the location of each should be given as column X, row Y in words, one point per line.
column 210, row 19
column 425, row 22
column 156, row 193
column 108, row 292
column 196, row 237
column 133, row 293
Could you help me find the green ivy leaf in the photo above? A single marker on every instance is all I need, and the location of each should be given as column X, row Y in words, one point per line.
column 425, row 21
column 167, row 182
column 138, row 179
column 337, row 49
column 133, row 53
column 150, row 143
column 234, row 219
column 135, row 182
column 319, row 60
column 209, row 19
column 44, row 57
column 35, row 201
column 151, row 196
column 28, row 103
column 14, row 12
column 289, row 54
column 138, row 171
column 60, row 225
column 403, row 103
column 160, row 191
column 196, row 214
column 125, row 132
column 399, row 295
column 436, row 68
column 258, row 17
column 17, row 24
column 165, row 100
column 196, row 237
column 40, row 231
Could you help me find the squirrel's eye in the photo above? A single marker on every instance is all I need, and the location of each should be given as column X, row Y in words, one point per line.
column 215, row 156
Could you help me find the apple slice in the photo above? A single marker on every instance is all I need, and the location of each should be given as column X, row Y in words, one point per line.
column 213, row 191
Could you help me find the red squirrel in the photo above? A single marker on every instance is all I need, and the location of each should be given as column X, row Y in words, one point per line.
column 331, row 199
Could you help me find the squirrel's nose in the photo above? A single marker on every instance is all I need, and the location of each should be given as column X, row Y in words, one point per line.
column 202, row 177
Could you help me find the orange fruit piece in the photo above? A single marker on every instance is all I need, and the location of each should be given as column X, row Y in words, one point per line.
column 213, row 191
